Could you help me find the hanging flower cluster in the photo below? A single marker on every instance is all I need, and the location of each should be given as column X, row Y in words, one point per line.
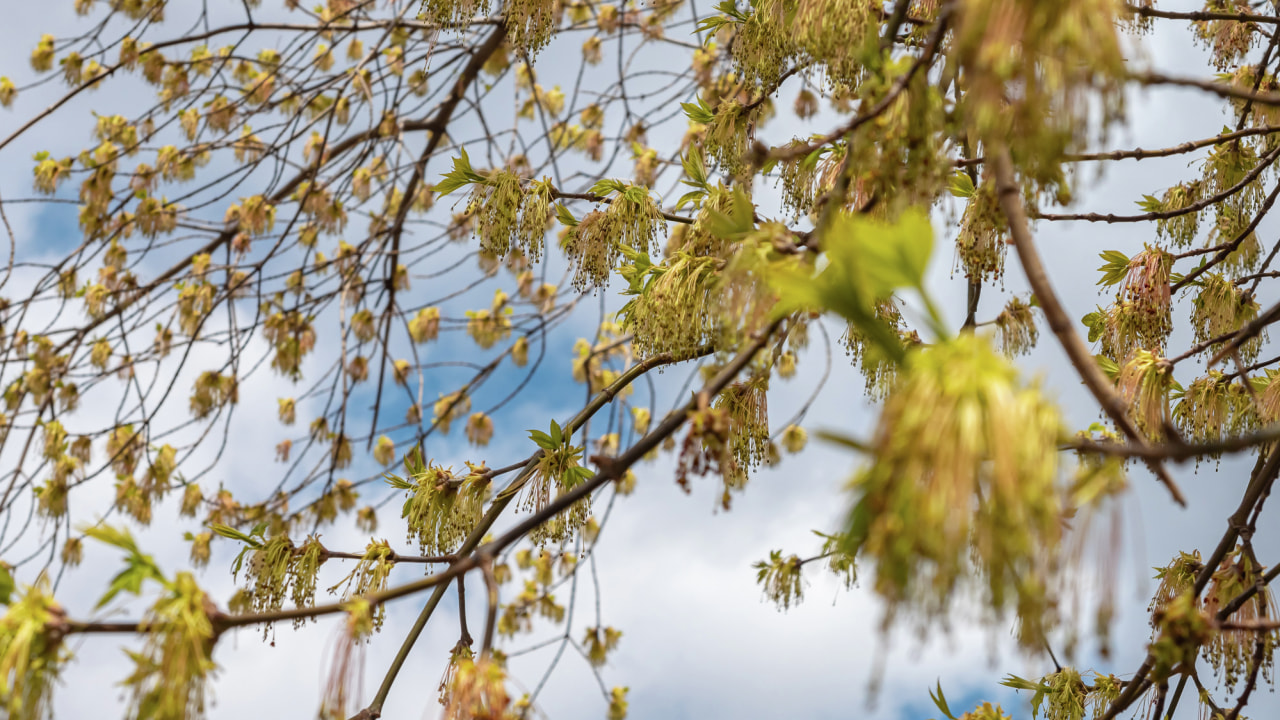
column 171, row 674
column 1221, row 308
column 1016, row 326
column 1230, row 652
column 594, row 244
column 963, row 478
column 1144, row 382
column 1214, row 407
column 440, row 508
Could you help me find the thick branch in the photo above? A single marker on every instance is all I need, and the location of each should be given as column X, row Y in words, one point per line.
column 1011, row 203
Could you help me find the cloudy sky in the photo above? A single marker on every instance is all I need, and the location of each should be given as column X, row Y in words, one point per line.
column 672, row 571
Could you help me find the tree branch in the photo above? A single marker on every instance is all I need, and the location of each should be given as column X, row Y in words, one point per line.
column 1010, row 199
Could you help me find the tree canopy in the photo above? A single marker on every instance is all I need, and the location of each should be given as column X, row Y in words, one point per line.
column 372, row 301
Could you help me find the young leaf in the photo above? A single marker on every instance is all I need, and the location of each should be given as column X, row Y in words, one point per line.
column 739, row 221
column 565, row 217
column 6, row 584
column 867, row 261
column 397, row 482
column 699, row 111
column 693, row 197
column 460, row 175
column 1108, row 366
column 941, row 701
column 1116, row 267
column 859, row 527
column 115, row 537
column 1096, row 323
column 138, row 567
column 542, row 440
column 607, row 187
column 231, row 533
column 1151, row 203
column 961, row 185
column 696, row 169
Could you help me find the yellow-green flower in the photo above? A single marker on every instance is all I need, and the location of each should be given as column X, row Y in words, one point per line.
column 963, row 479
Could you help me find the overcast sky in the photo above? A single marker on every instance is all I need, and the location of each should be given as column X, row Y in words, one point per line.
column 673, row 572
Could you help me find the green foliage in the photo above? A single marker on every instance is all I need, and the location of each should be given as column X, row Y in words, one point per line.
column 866, row 261
column 1115, row 269
column 460, row 176
column 138, row 567
column 940, row 700
column 961, row 185
column 1061, row 695
column 370, row 575
column 730, row 15
column 699, row 112
column 1180, row 631
column 7, row 585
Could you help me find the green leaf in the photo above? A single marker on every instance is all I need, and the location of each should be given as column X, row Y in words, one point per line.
column 1108, row 366
column 115, row 537
column 6, row 585
column 129, row 580
column 1096, row 323
column 941, row 701
column 638, row 271
column 413, row 463
column 731, row 16
column 859, row 527
column 397, row 482
column 635, row 193
column 739, row 221
column 846, row 440
column 575, row 476
column 1115, row 268
column 557, row 435
column 229, row 532
column 239, row 561
column 693, row 197
column 711, row 24
column 699, row 111
column 695, row 168
column 888, row 256
column 1017, row 683
column 460, row 175
column 961, row 185
column 607, row 187
column 138, row 567
column 867, row 260
column 542, row 440
column 565, row 217
column 1151, row 203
